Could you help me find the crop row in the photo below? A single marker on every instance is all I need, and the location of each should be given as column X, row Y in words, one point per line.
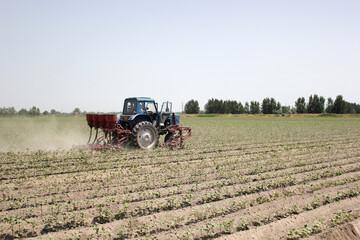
column 184, row 200
column 27, row 167
column 215, row 225
column 143, row 176
column 172, row 186
column 209, row 222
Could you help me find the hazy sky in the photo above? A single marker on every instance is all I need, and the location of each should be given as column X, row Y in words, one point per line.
column 92, row 54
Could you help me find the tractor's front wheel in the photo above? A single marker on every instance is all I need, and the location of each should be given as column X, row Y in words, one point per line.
column 145, row 135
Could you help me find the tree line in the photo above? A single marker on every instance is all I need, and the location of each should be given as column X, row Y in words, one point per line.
column 315, row 104
column 33, row 111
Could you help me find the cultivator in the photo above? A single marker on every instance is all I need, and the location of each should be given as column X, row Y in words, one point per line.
column 177, row 136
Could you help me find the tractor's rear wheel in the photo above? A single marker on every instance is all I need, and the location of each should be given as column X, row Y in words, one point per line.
column 145, row 135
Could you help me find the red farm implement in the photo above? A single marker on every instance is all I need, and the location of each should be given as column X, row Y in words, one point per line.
column 112, row 135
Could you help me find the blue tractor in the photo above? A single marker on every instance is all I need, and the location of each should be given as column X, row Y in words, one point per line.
column 147, row 123
column 140, row 124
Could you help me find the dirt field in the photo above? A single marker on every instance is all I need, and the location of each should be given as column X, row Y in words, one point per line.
column 237, row 178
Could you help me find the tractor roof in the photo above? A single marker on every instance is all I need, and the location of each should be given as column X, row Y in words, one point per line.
column 147, row 99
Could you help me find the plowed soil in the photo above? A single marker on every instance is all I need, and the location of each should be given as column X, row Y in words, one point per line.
column 237, row 178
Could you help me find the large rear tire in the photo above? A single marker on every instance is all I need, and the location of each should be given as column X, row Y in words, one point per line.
column 145, row 135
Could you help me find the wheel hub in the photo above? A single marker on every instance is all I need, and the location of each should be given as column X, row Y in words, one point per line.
column 146, row 137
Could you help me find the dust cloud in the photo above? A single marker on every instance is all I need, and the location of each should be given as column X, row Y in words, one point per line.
column 42, row 133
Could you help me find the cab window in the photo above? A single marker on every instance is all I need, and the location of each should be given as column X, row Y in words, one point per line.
column 142, row 107
column 130, row 107
column 150, row 106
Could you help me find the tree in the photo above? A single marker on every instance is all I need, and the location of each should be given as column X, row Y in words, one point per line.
column 285, row 109
column 270, row 106
column 212, row 106
column 266, row 106
column 45, row 113
column 352, row 108
column 254, row 107
column 76, row 111
column 339, row 105
column 247, row 108
column 300, row 105
column 278, row 108
column 322, row 104
column 192, row 106
column 329, row 105
column 10, row 111
column 220, row 106
column 23, row 112
column 231, row 107
column 240, row 108
column 53, row 112
column 34, row 111
column 315, row 104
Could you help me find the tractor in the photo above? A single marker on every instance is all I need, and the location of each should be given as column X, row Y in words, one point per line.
column 139, row 125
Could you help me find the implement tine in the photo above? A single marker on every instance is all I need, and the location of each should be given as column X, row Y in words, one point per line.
column 96, row 134
column 90, row 136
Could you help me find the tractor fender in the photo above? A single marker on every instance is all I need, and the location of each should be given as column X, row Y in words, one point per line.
column 139, row 118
